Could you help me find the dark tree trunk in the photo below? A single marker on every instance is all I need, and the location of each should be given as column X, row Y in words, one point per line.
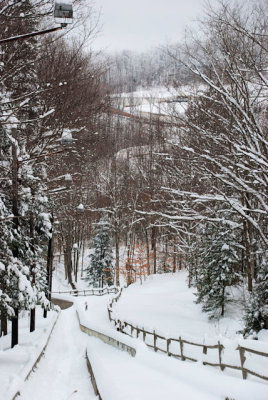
column 154, row 247
column 174, row 265
column 147, row 252
column 32, row 320
column 222, row 304
column 49, row 270
column 117, row 282
column 32, row 312
column 15, row 210
column 15, row 329
column 3, row 325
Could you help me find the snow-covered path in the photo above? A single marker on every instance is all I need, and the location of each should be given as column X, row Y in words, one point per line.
column 62, row 373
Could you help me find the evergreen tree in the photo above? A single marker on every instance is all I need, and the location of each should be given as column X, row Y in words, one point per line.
column 100, row 266
column 218, row 259
column 256, row 309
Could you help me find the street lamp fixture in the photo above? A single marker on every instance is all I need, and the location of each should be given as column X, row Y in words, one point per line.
column 63, row 13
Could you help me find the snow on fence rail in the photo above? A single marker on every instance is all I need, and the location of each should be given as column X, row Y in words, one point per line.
column 170, row 345
column 107, row 339
column 92, row 377
column 89, row 292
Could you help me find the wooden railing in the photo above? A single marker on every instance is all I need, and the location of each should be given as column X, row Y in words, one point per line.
column 92, row 377
column 89, row 292
column 138, row 332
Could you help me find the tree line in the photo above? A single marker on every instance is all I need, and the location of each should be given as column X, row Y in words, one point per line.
column 48, row 85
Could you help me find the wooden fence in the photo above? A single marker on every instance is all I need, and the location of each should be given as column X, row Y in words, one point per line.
column 89, row 292
column 139, row 332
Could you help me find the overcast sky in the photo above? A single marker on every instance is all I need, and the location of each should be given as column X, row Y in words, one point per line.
column 141, row 24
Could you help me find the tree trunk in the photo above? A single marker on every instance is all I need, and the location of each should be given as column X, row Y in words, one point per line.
column 32, row 271
column 83, row 254
column 15, row 329
column 68, row 265
column 15, row 210
column 147, row 253
column 154, row 247
column 174, row 267
column 248, row 244
column 32, row 320
column 222, row 304
column 3, row 325
column 117, row 280
column 49, row 270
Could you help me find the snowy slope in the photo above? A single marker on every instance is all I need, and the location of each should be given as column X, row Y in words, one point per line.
column 151, row 376
column 166, row 304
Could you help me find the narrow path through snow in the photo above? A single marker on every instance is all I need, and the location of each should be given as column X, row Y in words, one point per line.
column 62, row 373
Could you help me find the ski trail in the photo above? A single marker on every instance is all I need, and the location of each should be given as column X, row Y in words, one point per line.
column 62, row 373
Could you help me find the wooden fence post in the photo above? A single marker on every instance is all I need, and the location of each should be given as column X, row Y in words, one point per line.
column 143, row 335
column 168, row 343
column 131, row 329
column 220, row 347
column 155, row 338
column 242, row 360
column 181, row 346
column 137, row 334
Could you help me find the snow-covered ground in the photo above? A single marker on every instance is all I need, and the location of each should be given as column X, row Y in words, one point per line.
column 62, row 374
column 151, row 376
column 165, row 303
column 16, row 363
column 154, row 376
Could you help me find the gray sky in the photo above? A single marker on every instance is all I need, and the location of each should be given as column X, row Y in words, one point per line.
column 141, row 24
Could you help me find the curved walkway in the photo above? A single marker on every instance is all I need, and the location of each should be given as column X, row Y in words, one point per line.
column 62, row 373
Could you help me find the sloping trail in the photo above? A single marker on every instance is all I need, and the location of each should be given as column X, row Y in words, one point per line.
column 62, row 373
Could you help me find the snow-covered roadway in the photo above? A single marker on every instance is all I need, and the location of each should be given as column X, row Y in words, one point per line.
column 62, row 373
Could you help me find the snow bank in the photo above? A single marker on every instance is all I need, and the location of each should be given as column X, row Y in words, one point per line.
column 17, row 363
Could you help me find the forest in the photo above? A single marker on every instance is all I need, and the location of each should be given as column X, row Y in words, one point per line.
column 82, row 166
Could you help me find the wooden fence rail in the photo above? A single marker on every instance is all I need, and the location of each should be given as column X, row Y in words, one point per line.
column 136, row 331
column 89, row 292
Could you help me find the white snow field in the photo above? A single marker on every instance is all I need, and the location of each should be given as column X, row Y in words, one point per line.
column 165, row 303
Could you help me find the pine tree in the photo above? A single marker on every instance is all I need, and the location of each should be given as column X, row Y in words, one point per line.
column 217, row 269
column 256, row 309
column 100, row 266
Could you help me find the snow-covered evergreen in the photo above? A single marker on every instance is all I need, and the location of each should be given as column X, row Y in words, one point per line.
column 100, row 268
column 256, row 308
column 218, row 265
